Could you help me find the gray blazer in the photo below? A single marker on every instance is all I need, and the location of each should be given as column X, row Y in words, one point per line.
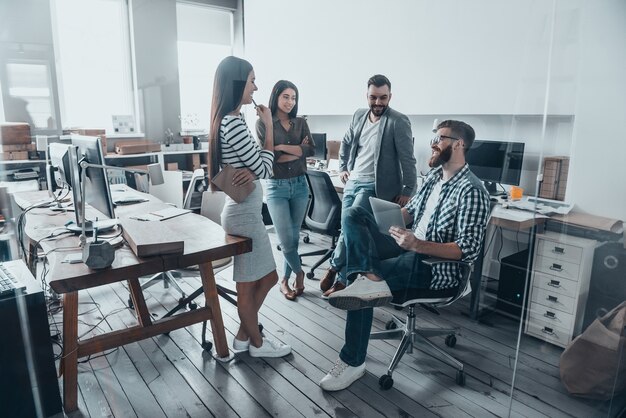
column 395, row 166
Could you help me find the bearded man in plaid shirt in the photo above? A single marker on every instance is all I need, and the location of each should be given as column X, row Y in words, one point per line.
column 449, row 215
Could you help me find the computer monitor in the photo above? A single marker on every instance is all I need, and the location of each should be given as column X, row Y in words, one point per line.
column 97, row 192
column 320, row 146
column 496, row 162
column 59, row 166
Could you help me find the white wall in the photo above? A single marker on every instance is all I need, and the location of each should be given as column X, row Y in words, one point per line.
column 449, row 56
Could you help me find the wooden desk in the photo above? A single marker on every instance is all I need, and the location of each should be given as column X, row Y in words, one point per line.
column 205, row 241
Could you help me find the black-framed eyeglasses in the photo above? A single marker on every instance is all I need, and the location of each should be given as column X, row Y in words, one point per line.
column 438, row 138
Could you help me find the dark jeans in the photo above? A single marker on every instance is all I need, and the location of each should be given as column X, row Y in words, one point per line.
column 369, row 251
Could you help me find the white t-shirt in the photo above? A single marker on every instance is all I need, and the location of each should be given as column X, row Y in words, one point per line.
column 368, row 144
column 429, row 209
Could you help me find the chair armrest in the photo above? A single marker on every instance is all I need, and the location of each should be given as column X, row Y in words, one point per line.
column 436, row 260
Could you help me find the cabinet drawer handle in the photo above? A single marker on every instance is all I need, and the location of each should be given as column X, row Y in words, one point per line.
column 552, row 298
column 556, row 267
column 554, row 283
column 547, row 330
column 558, row 250
column 550, row 315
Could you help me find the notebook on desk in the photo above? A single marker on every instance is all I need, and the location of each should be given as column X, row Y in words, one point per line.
column 161, row 215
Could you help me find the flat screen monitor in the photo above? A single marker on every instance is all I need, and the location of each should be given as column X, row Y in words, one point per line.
column 496, row 162
column 320, row 146
column 97, row 192
column 59, row 166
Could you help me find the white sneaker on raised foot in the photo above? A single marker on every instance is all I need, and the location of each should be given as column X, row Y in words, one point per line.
column 239, row 345
column 341, row 376
column 269, row 348
column 362, row 293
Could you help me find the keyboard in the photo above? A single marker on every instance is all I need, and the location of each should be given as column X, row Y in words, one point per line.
column 9, row 285
column 532, row 207
column 128, row 200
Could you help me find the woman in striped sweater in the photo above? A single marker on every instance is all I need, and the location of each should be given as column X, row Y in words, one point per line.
column 230, row 142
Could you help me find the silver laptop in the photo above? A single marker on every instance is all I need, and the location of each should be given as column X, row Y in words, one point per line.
column 387, row 214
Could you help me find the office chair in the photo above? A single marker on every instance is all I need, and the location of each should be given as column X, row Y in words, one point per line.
column 409, row 333
column 324, row 214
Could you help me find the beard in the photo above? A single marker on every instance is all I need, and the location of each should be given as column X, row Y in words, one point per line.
column 441, row 158
column 378, row 110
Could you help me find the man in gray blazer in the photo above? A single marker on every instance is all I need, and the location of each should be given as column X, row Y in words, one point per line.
column 375, row 159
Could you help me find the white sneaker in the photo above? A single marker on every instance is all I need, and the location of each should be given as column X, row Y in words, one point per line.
column 239, row 345
column 341, row 376
column 362, row 293
column 269, row 348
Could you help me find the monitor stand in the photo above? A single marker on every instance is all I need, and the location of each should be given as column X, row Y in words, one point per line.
column 102, row 226
column 492, row 188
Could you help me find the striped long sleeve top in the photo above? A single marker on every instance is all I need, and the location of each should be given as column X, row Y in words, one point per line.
column 240, row 150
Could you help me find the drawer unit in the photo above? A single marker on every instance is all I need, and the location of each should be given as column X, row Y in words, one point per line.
column 556, row 284
column 559, row 286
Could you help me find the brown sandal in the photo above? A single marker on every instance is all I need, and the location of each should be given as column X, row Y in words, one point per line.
column 299, row 290
column 286, row 291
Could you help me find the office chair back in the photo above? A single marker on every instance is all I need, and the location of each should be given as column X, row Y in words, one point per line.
column 324, row 215
column 196, row 187
column 212, row 205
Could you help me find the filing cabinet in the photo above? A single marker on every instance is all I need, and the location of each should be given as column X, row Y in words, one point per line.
column 559, row 287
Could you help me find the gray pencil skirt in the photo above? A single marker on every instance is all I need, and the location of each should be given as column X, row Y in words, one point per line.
column 245, row 219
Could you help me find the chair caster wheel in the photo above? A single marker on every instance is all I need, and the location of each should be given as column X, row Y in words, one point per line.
column 131, row 305
column 207, row 346
column 310, row 275
column 385, row 382
column 390, row 325
column 261, row 328
column 192, row 305
column 278, row 248
column 451, row 340
column 306, row 240
column 460, row 378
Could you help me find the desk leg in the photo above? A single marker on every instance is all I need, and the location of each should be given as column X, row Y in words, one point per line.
column 212, row 302
column 70, row 351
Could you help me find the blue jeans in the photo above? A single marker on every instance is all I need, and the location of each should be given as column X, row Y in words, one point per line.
column 287, row 201
column 357, row 194
column 369, row 251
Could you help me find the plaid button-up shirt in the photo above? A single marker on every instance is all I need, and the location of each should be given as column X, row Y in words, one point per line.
column 461, row 216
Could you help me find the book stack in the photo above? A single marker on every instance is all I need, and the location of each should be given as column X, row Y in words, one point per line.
column 136, row 147
column 554, row 183
column 148, row 239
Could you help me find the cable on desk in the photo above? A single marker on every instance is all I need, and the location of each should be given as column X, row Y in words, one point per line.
column 22, row 217
column 501, row 244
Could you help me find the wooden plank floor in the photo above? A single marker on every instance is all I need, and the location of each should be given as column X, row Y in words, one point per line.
column 172, row 376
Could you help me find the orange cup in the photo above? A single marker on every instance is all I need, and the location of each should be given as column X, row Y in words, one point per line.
column 516, row 193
